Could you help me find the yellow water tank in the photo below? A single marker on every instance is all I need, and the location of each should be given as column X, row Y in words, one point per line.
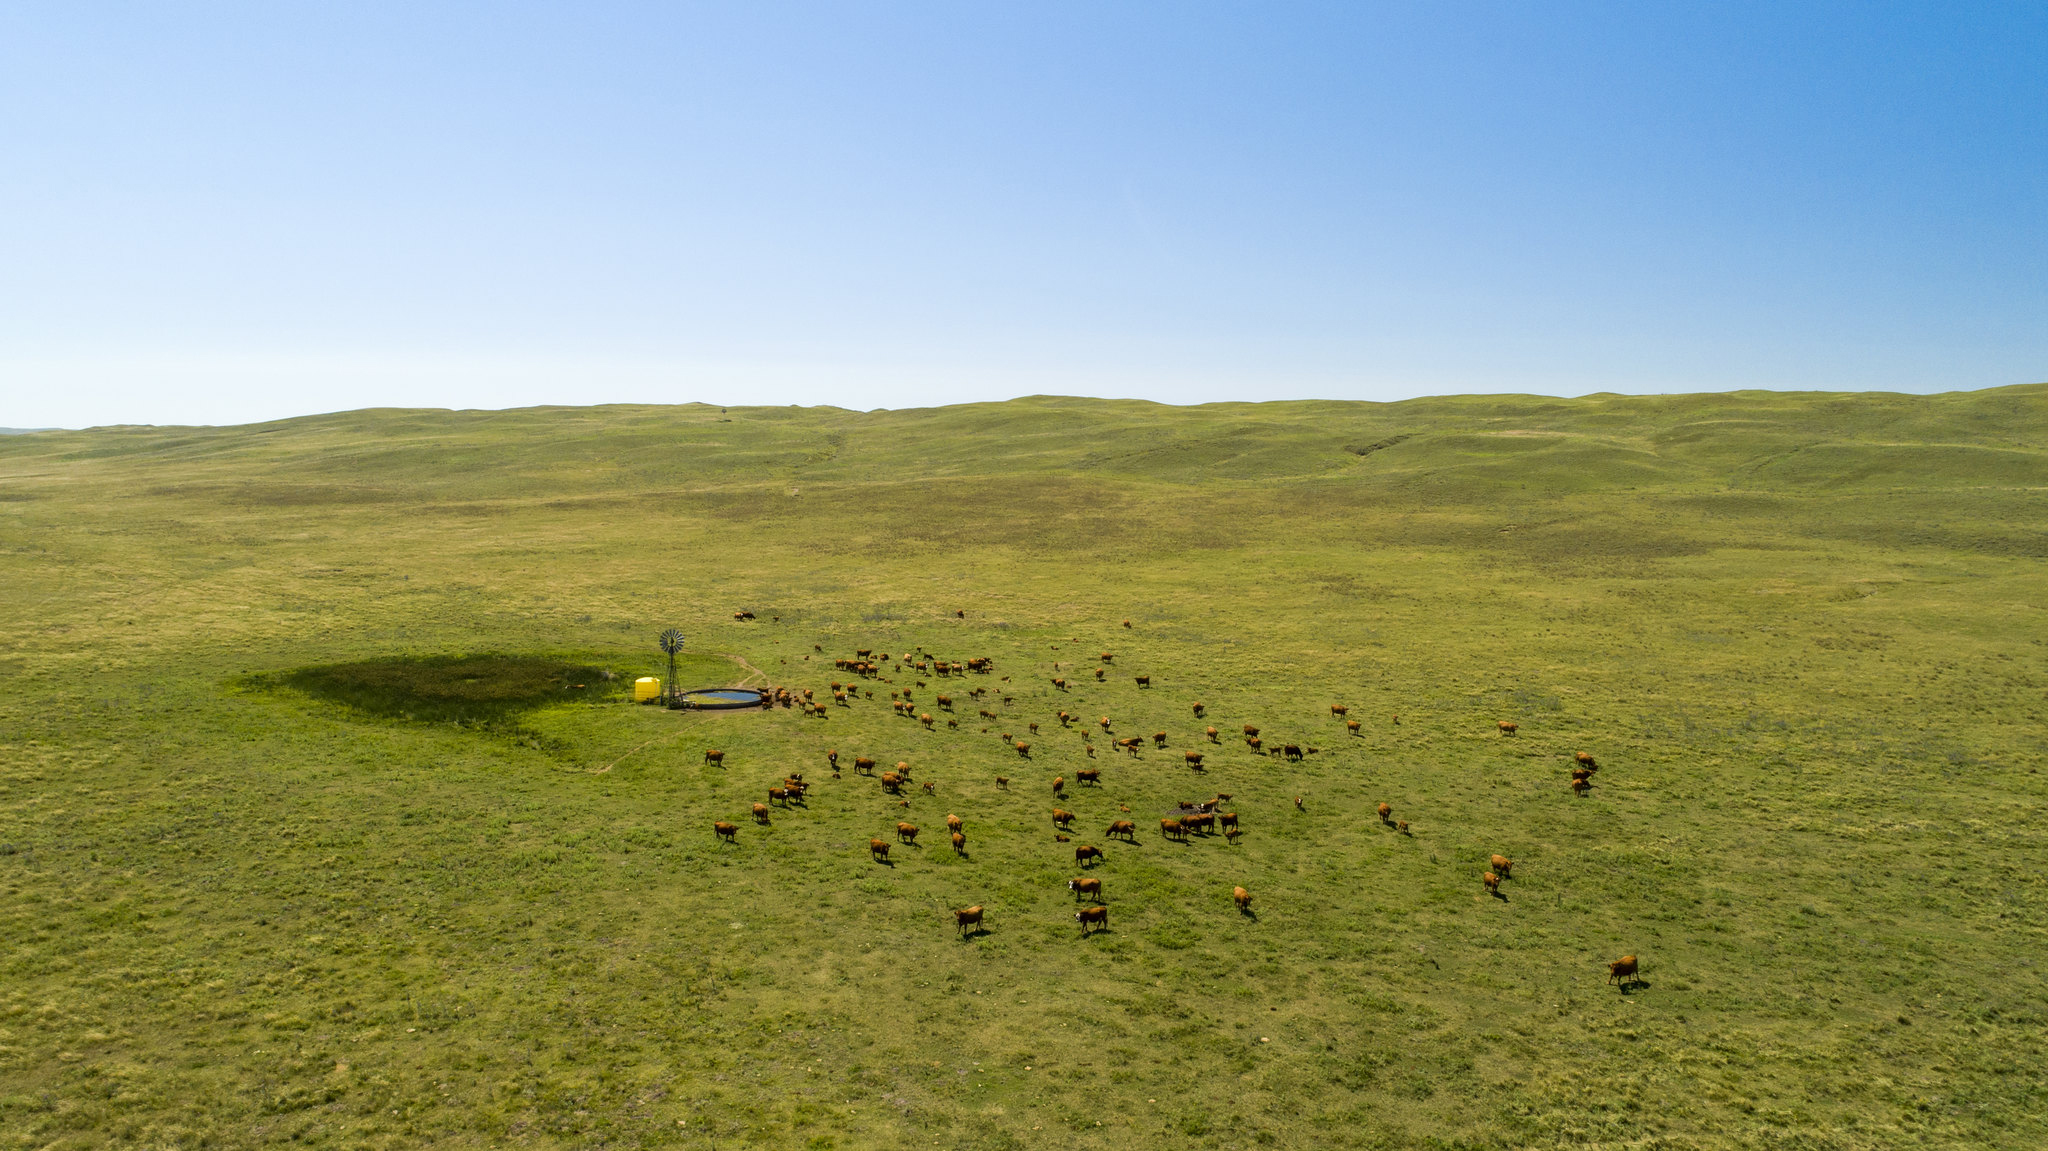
column 645, row 688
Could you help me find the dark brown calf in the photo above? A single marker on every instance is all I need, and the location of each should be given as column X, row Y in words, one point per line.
column 726, row 831
column 1085, row 855
column 715, row 756
column 1092, row 916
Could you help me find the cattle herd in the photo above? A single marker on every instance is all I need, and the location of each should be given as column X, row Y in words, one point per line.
column 1188, row 820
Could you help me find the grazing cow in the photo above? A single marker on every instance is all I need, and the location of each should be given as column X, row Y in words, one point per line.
column 1034, row 727
column 726, row 831
column 1065, row 719
column 1059, row 785
column 1089, row 775
column 1253, row 742
column 1085, row 855
column 832, row 757
column 953, row 822
column 1127, row 623
column 1212, row 734
column 1204, row 823
column 1338, row 710
column 1250, row 731
column 1291, row 751
column 926, row 720
column 863, row 765
column 1508, row 726
column 1087, row 916
column 1297, row 804
column 1023, row 749
column 1060, row 684
column 1622, row 970
column 931, row 787
column 1144, row 681
column 1122, row 829
column 1100, row 675
column 1504, row 865
column 715, row 756
column 906, row 833
column 760, row 813
column 1131, row 745
column 1107, row 658
column 1492, row 883
column 1386, row 814
column 1171, row 829
column 892, row 783
column 1584, row 760
column 1104, row 721
column 1352, row 726
column 1159, row 739
column 903, row 768
column 1402, row 827
column 959, row 844
column 966, row 917
column 1244, row 899
column 779, row 795
column 1081, row 887
column 1061, row 817
column 1581, row 786
column 1198, row 711
column 1003, row 781
column 1227, row 819
column 1090, row 749
column 945, row 703
column 1058, row 838
column 1194, row 759
column 1231, row 834
column 1582, row 773
column 963, row 615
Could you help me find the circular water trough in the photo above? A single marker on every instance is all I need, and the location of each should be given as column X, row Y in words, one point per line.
column 720, row 698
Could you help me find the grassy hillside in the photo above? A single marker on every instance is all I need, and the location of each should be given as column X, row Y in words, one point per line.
column 309, row 834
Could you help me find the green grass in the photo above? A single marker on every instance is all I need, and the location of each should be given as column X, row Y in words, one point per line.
column 306, row 834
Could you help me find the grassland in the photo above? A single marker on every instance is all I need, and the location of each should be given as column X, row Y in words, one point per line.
column 270, row 873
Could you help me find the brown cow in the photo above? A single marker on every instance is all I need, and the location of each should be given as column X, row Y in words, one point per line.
column 1034, row 727
column 1127, row 623
column 965, row 918
column 1243, row 898
column 1061, row 818
column 1089, row 775
column 1081, row 887
column 906, row 833
column 863, row 765
column 1122, row 829
column 891, row 782
column 779, row 795
column 903, row 768
column 1297, row 804
column 760, row 813
column 1291, row 751
column 1065, row 719
column 1092, row 915
column 1227, row 819
column 1171, row 829
column 1212, row 733
column 1131, row 745
column 1402, row 827
column 1060, row 684
column 1492, row 883
column 952, row 822
column 1003, row 781
column 1582, row 773
column 1023, row 749
column 926, row 719
column 1104, row 721
column 1508, row 726
column 1107, row 658
column 1584, row 760
column 959, row 844
column 1086, row 856
column 726, row 831
column 1386, row 813
column 832, row 757
column 1198, row 711
column 1250, row 731
column 1100, row 675
column 1504, row 865
column 1352, row 726
column 1159, row 739
column 1338, row 710
column 715, row 756
column 1194, row 759
column 1204, row 823
column 931, row 787
column 945, row 703
column 1581, row 786
column 1059, row 784
column 1622, row 970
column 1144, row 681
column 1252, row 741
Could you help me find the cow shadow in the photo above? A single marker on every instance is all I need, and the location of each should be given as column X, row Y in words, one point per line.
column 971, row 936
column 1500, row 895
column 1248, row 913
column 1634, row 984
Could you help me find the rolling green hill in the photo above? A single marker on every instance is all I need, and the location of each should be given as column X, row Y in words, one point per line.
column 325, row 818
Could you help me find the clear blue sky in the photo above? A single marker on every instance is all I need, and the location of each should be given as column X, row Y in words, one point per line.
column 220, row 212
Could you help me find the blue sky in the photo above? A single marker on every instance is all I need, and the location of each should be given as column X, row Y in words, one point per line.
column 219, row 212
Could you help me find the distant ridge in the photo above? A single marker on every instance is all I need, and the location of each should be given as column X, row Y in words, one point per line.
column 25, row 431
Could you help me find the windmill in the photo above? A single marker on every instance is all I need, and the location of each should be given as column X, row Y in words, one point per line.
column 671, row 643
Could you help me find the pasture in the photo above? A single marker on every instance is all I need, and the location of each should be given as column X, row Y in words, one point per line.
column 320, row 823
